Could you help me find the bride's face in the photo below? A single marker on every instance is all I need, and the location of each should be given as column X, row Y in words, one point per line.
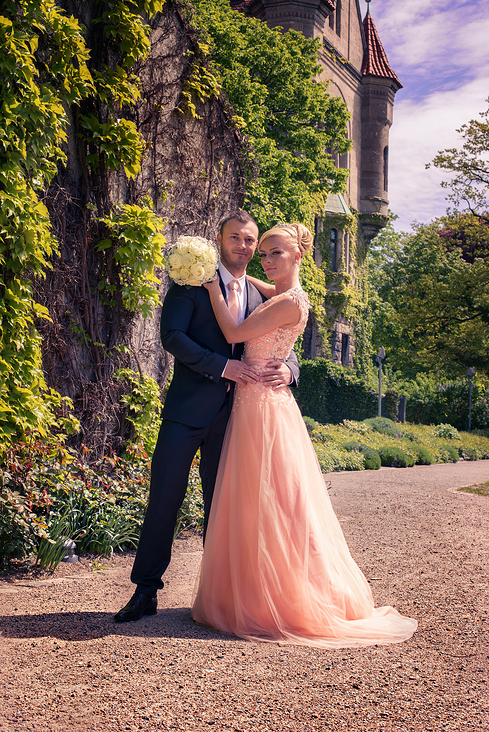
column 277, row 257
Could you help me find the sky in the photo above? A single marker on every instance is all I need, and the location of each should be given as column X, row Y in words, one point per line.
column 439, row 49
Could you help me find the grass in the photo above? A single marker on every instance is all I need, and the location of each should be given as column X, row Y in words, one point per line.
column 482, row 489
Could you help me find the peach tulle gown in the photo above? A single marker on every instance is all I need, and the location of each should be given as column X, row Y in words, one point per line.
column 276, row 566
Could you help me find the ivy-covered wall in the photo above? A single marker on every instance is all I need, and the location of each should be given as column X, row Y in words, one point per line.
column 112, row 131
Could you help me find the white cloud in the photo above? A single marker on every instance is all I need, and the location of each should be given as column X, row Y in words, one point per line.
column 420, row 130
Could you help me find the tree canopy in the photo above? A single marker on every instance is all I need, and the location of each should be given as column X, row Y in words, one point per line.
column 470, row 164
column 430, row 296
column 290, row 121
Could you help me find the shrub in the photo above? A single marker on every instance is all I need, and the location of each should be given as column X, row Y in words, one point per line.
column 384, row 426
column 394, row 457
column 431, row 403
column 334, row 458
column 390, row 404
column 469, row 453
column 371, row 456
column 481, row 433
column 423, row 456
column 449, row 454
column 311, row 424
column 447, row 431
column 330, row 393
column 353, row 426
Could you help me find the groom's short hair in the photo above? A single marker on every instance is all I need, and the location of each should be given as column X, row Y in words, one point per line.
column 240, row 215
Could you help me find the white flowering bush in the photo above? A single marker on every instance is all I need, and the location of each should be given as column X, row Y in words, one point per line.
column 192, row 261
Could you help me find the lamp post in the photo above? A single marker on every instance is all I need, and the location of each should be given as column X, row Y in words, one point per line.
column 379, row 359
column 470, row 376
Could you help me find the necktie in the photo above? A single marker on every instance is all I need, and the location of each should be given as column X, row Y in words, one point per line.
column 233, row 303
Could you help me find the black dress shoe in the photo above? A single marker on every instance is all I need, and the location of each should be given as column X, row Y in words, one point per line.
column 137, row 606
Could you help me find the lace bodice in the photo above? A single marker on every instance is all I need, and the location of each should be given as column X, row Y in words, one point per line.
column 277, row 344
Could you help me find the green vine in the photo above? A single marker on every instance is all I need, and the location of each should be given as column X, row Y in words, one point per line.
column 44, row 70
column 136, row 245
column 143, row 405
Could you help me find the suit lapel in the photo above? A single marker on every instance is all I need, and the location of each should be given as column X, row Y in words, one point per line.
column 253, row 298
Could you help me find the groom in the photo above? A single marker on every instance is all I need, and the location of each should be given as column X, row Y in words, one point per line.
column 197, row 405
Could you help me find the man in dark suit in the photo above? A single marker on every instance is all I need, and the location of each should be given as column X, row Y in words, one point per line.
column 197, row 405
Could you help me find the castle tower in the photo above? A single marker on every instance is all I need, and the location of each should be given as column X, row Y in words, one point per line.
column 379, row 85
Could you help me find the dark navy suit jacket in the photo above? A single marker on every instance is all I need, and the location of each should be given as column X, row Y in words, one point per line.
column 190, row 332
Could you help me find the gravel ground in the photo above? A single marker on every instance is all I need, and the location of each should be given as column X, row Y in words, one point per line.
column 66, row 667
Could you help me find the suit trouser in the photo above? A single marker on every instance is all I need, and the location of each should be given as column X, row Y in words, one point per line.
column 175, row 449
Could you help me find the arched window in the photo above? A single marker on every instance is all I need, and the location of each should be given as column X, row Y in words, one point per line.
column 338, row 18
column 333, row 240
column 386, row 167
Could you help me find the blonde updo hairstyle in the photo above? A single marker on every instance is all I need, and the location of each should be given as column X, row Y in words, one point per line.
column 296, row 235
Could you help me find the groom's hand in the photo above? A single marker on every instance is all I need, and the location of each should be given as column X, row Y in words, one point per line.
column 277, row 374
column 238, row 371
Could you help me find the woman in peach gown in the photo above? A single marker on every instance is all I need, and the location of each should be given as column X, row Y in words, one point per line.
column 276, row 566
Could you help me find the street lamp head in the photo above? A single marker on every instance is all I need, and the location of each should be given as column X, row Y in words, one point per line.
column 380, row 355
column 470, row 373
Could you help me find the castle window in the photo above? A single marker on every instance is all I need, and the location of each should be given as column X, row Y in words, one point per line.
column 386, row 167
column 338, row 18
column 331, row 20
column 333, row 240
column 345, row 349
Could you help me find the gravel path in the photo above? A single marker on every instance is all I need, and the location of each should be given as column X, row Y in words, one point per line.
column 65, row 667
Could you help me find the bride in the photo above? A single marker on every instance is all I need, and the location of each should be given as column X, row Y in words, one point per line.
column 276, row 566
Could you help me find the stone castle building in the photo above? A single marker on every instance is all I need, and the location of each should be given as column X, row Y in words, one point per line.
column 356, row 66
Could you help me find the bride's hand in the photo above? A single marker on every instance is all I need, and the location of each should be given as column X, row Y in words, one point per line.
column 213, row 286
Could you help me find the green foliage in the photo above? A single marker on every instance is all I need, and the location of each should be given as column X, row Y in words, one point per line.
column 290, row 121
column 430, row 307
column 384, row 425
column 200, row 84
column 470, row 184
column 449, row 454
column 418, row 442
column 49, row 493
column 446, row 430
column 136, row 246
column 432, row 402
column 43, row 71
column 116, row 144
column 32, row 122
column 143, row 405
column 371, row 457
column 357, row 427
column 310, row 424
column 331, row 393
column 191, row 514
column 394, row 457
column 333, row 458
column 423, row 456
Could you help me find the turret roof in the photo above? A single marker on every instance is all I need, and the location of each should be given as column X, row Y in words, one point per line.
column 375, row 61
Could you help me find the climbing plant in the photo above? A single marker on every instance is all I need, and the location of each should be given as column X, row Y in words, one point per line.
column 46, row 75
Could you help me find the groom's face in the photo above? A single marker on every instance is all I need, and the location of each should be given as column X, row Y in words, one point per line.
column 237, row 243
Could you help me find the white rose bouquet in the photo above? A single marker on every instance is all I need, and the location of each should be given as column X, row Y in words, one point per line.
column 192, row 261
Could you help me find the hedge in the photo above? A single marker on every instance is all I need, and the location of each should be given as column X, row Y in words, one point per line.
column 330, row 393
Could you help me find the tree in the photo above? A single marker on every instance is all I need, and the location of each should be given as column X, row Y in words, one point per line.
column 290, row 121
column 470, row 186
column 430, row 305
